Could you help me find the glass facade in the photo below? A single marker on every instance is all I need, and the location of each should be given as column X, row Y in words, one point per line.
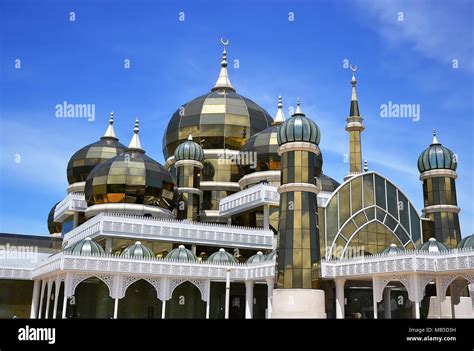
column 366, row 215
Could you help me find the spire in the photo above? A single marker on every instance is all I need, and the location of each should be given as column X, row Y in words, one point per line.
column 280, row 116
column 223, row 81
column 354, row 103
column 110, row 132
column 435, row 139
column 135, row 143
column 298, row 108
column 190, row 137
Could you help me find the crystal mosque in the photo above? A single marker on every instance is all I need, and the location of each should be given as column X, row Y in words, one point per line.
column 241, row 221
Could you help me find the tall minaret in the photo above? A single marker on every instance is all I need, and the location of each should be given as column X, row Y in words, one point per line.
column 189, row 158
column 355, row 127
column 437, row 165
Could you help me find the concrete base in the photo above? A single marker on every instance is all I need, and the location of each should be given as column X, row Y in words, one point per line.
column 464, row 309
column 298, row 303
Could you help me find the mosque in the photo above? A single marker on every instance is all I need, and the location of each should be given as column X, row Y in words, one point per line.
column 241, row 221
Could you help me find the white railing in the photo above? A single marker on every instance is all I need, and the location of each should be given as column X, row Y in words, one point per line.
column 15, row 273
column 171, row 230
column 407, row 261
column 107, row 264
column 73, row 202
column 255, row 196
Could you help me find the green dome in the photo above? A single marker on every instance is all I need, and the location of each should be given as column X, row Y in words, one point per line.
column 189, row 150
column 54, row 227
column 432, row 245
column 436, row 156
column 299, row 128
column 392, row 249
column 137, row 250
column 467, row 242
column 272, row 256
column 181, row 254
column 257, row 258
column 222, row 257
column 85, row 247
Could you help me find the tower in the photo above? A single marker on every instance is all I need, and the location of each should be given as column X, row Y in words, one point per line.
column 189, row 158
column 354, row 127
column 437, row 165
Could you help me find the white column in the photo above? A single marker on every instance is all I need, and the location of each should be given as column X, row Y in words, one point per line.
column 34, row 299
column 270, row 284
column 116, row 308
column 227, row 293
column 41, row 299
column 48, row 299
column 340, row 313
column 163, row 309
column 438, row 295
column 387, row 304
column 64, row 303
column 266, row 216
column 374, row 298
column 208, row 308
column 193, row 249
column 416, row 307
column 75, row 221
column 249, row 299
column 108, row 245
column 56, row 298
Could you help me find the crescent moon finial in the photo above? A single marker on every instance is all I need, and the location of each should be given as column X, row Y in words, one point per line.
column 224, row 42
column 353, row 67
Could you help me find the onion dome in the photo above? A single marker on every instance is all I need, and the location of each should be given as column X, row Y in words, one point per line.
column 436, row 156
column 137, row 250
column 299, row 128
column 257, row 258
column 189, row 150
column 133, row 178
column 54, row 227
column 272, row 256
column 222, row 257
column 220, row 119
column 84, row 160
column 467, row 242
column 181, row 254
column 432, row 245
column 392, row 250
column 327, row 183
column 85, row 247
column 264, row 146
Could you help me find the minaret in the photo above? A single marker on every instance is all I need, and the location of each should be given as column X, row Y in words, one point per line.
column 354, row 126
column 223, row 81
column 189, row 158
column 298, row 251
column 437, row 166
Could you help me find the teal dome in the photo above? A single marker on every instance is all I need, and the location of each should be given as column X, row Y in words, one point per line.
column 85, row 247
column 436, row 156
column 299, row 128
column 189, row 150
column 181, row 254
column 137, row 250
column 432, row 245
column 272, row 256
column 392, row 249
column 467, row 242
column 222, row 257
column 257, row 258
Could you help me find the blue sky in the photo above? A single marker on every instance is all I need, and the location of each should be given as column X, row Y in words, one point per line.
column 172, row 61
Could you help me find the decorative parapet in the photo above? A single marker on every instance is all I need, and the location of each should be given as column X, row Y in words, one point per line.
column 171, row 230
column 410, row 261
column 73, row 202
column 255, row 196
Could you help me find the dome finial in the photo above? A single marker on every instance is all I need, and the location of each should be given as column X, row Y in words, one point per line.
column 135, row 143
column 190, row 136
column 110, row 132
column 280, row 116
column 223, row 81
column 435, row 139
column 298, row 107
column 366, row 166
column 353, row 83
